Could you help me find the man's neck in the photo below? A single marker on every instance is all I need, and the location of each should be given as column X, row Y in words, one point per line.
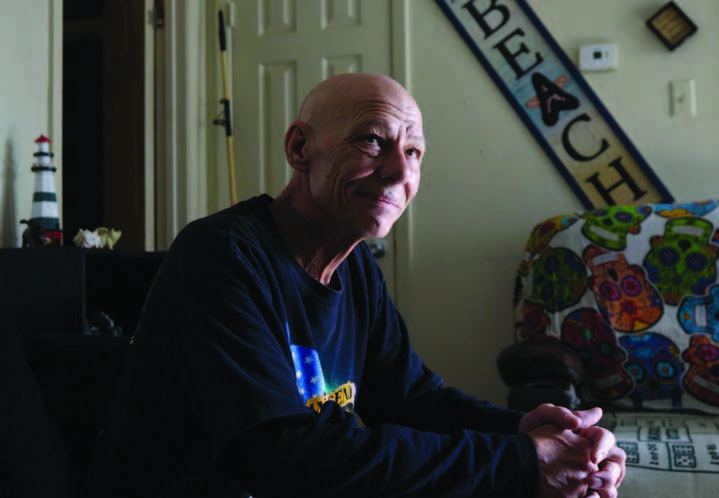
column 308, row 238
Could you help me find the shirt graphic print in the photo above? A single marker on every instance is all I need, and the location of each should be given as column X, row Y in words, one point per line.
column 312, row 385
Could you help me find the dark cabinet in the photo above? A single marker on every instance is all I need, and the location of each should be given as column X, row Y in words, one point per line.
column 61, row 288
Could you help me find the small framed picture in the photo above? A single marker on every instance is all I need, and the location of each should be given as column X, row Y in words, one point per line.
column 671, row 25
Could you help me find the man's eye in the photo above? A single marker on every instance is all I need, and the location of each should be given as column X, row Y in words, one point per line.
column 412, row 152
column 371, row 139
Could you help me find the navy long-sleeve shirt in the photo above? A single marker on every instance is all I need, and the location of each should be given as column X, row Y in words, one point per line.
column 246, row 375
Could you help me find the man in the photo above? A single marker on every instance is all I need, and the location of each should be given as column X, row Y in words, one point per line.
column 269, row 326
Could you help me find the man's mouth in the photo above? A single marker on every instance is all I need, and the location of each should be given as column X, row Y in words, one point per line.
column 380, row 198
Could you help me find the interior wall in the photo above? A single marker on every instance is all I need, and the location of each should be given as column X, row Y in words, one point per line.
column 29, row 91
column 486, row 181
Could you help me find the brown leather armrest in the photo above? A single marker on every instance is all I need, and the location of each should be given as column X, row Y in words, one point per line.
column 527, row 361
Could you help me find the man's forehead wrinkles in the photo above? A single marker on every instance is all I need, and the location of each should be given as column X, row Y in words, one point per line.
column 382, row 116
column 372, row 103
column 379, row 105
column 416, row 137
column 414, row 131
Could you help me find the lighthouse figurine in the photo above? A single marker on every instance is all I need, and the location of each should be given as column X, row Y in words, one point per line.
column 43, row 228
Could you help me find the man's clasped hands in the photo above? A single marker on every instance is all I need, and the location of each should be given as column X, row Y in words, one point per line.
column 576, row 457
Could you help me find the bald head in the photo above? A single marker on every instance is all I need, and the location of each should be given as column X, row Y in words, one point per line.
column 336, row 98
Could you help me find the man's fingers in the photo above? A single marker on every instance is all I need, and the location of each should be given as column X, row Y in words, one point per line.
column 589, row 417
column 605, row 493
column 604, row 442
column 606, row 480
column 560, row 416
column 550, row 414
column 616, row 459
column 602, row 483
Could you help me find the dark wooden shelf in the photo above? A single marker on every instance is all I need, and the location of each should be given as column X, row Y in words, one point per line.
column 59, row 288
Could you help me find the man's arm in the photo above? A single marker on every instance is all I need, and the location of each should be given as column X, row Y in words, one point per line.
column 400, row 389
column 329, row 455
column 444, row 410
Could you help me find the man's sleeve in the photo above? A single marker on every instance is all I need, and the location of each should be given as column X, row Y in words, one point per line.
column 329, row 455
column 399, row 388
column 236, row 363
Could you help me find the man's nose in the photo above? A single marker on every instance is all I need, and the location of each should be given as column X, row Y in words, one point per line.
column 395, row 165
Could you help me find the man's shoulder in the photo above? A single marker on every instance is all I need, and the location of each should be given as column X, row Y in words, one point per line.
column 216, row 244
column 249, row 218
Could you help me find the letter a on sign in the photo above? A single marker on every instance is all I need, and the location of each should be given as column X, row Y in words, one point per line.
column 549, row 94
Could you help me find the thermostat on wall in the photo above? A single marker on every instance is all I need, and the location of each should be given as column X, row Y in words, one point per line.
column 599, row 57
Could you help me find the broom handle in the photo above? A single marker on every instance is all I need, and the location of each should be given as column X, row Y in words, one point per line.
column 228, row 114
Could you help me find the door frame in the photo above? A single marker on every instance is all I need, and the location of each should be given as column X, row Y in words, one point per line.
column 403, row 228
column 181, row 119
column 149, row 127
column 54, row 108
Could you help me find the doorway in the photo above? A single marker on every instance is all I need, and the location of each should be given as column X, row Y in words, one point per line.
column 104, row 123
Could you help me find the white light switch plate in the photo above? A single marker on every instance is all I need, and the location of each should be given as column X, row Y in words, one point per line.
column 684, row 99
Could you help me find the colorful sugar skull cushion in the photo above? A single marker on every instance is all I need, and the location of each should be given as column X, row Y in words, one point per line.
column 535, row 320
column 541, row 235
column 634, row 290
column 654, row 362
column 585, row 331
column 687, row 209
column 624, row 296
column 608, row 227
column 559, row 279
column 682, row 261
column 700, row 314
column 702, row 379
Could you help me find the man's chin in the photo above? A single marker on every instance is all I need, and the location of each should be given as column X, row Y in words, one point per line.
column 378, row 233
column 376, row 227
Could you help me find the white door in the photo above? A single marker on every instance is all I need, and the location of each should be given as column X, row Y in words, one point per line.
column 278, row 50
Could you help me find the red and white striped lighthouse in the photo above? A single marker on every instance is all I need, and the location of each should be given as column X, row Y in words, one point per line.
column 44, row 225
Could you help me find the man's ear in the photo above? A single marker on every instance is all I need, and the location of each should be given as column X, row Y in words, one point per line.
column 297, row 146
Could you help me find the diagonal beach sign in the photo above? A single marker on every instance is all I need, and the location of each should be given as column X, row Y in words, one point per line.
column 550, row 95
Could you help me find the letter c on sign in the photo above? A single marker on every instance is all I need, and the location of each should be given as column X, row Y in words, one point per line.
column 570, row 148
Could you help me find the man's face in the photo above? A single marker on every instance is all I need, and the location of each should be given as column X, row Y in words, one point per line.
column 367, row 164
